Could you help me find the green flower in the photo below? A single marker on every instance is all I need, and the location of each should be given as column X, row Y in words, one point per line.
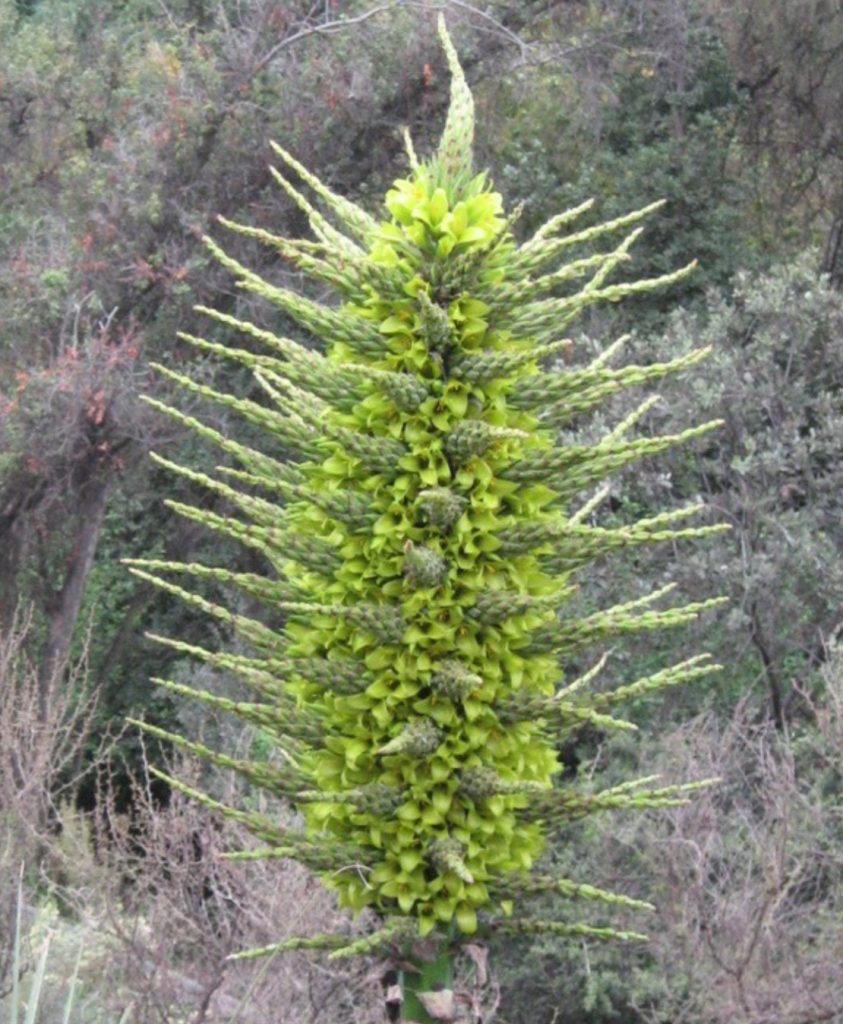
column 417, row 516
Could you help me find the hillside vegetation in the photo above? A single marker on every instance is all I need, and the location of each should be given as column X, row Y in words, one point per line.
column 125, row 131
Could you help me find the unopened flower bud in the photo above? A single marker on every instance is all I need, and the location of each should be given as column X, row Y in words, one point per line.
column 454, row 680
column 474, row 437
column 480, row 783
column 436, row 327
column 423, row 567
column 441, row 507
column 417, row 739
column 447, row 855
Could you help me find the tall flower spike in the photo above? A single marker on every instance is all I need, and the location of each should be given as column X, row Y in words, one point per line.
column 455, row 153
column 420, row 552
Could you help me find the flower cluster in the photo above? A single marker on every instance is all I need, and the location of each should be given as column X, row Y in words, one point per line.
column 415, row 510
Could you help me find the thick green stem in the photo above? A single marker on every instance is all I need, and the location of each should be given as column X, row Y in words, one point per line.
column 429, row 976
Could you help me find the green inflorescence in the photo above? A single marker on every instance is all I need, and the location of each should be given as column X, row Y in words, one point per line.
column 416, row 519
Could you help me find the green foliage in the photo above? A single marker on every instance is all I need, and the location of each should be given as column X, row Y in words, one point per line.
column 418, row 517
column 657, row 119
column 773, row 473
column 775, row 378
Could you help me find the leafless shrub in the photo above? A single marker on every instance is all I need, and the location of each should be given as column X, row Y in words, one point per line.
column 749, row 875
column 44, row 725
column 171, row 909
column 148, row 896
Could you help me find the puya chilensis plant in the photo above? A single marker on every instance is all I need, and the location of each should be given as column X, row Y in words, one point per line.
column 418, row 517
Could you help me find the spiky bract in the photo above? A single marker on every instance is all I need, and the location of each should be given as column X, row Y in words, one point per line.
column 416, row 520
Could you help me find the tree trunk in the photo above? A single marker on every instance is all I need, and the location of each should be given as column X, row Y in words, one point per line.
column 774, row 683
column 63, row 612
column 832, row 262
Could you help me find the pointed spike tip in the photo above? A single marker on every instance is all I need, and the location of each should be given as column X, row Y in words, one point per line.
column 455, row 147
